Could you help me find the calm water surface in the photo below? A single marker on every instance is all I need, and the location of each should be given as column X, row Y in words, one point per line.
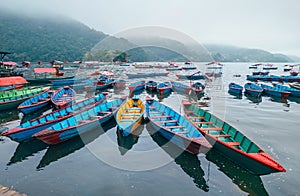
column 103, row 162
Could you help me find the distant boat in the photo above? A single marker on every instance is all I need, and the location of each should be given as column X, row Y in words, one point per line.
column 269, row 67
column 63, row 97
column 231, row 142
column 146, row 74
column 235, row 88
column 80, row 123
column 175, row 127
column 255, row 66
column 191, row 76
column 151, row 85
column 188, row 66
column 130, row 115
column 180, row 87
column 294, row 91
column 164, row 87
column 275, row 91
column 253, row 89
column 214, row 65
column 13, row 82
column 137, row 86
column 119, row 83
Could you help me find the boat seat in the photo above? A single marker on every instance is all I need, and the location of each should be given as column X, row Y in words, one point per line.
column 165, row 121
column 196, row 117
column 202, row 123
column 233, row 143
column 128, row 114
column 189, row 111
column 155, row 112
column 84, row 121
column 126, row 120
column 174, row 127
column 223, row 135
column 98, row 117
column 211, row 129
column 59, row 116
column 133, row 108
column 160, row 116
column 182, row 132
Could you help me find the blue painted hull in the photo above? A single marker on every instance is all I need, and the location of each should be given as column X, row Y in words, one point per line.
column 35, row 108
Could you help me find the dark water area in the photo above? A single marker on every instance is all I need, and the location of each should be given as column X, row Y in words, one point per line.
column 104, row 162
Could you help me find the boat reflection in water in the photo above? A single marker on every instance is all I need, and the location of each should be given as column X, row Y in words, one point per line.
column 58, row 151
column 253, row 99
column 25, row 150
column 162, row 96
column 188, row 162
column 126, row 143
column 235, row 95
column 246, row 181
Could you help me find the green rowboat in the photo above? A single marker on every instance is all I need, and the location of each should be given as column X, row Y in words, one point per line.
column 11, row 99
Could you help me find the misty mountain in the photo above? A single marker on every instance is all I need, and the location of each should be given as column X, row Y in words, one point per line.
column 49, row 37
column 227, row 53
column 45, row 37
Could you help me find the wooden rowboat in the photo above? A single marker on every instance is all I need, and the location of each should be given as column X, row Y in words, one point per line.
column 175, row 127
column 130, row 115
column 235, row 88
column 27, row 129
column 36, row 103
column 253, row 89
column 63, row 97
column 231, row 142
column 80, row 123
column 137, row 86
column 275, row 91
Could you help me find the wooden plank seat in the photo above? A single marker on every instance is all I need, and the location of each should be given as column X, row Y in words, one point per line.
column 233, row 143
column 166, row 121
column 222, row 135
column 126, row 120
column 160, row 116
column 174, row 127
column 104, row 112
column 133, row 108
column 202, row 123
column 181, row 132
column 98, row 117
column 196, row 117
column 129, row 114
column 211, row 129
column 84, row 121
column 189, row 111
column 155, row 112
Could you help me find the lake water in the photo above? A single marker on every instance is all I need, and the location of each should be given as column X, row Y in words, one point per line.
column 103, row 162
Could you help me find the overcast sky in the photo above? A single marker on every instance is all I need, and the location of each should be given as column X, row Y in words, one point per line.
column 271, row 25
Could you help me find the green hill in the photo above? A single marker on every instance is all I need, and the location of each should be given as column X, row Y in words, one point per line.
column 45, row 38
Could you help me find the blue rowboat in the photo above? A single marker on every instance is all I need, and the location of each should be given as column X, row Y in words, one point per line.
column 175, row 127
column 275, row 91
column 120, row 84
column 294, row 92
column 63, row 97
column 198, row 88
column 63, row 82
column 181, row 88
column 130, row 115
column 191, row 76
column 151, row 85
column 260, row 73
column 164, row 87
column 27, row 129
column 230, row 142
column 137, row 86
column 36, row 103
column 144, row 75
column 253, row 89
column 235, row 88
column 80, row 123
